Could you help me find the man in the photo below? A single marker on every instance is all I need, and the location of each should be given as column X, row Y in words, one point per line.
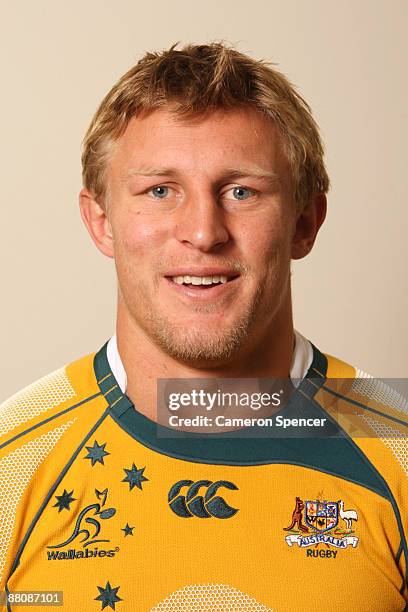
column 203, row 177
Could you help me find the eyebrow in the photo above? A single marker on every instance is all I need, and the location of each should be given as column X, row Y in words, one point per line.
column 252, row 171
column 149, row 171
column 249, row 171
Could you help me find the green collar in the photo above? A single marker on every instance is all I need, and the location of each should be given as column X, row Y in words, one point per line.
column 331, row 450
column 244, row 446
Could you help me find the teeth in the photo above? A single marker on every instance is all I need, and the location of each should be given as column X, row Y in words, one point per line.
column 199, row 280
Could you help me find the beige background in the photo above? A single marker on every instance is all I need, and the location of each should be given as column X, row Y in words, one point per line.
column 58, row 59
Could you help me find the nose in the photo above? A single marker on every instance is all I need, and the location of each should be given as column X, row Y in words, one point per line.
column 201, row 223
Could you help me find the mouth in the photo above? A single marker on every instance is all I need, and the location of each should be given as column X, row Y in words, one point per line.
column 209, row 286
column 204, row 282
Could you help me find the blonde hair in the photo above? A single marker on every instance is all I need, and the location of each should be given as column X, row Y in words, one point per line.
column 198, row 79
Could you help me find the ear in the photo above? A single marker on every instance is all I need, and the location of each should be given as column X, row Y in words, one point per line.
column 96, row 221
column 308, row 223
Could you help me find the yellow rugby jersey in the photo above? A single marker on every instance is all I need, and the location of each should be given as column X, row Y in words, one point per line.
column 94, row 503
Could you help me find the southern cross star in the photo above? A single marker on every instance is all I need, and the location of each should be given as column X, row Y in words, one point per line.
column 108, row 596
column 96, row 453
column 64, row 500
column 128, row 530
column 134, row 477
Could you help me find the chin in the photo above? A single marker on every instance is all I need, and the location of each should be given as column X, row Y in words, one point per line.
column 196, row 345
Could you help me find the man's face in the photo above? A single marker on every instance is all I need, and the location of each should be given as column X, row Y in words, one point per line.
column 207, row 198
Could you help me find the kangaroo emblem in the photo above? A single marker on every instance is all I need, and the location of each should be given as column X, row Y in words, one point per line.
column 90, row 520
column 297, row 517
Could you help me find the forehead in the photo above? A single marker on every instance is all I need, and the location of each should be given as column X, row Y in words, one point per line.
column 212, row 142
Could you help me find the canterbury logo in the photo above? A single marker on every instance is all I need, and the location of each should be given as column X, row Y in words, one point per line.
column 192, row 504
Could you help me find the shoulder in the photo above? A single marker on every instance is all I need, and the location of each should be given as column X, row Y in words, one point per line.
column 45, row 399
column 41, row 427
column 375, row 395
column 370, row 410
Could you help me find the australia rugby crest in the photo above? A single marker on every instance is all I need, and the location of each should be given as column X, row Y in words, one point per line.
column 320, row 521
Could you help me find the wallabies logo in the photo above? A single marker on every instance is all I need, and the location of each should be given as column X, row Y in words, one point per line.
column 88, row 523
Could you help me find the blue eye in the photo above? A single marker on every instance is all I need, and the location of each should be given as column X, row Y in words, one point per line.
column 242, row 193
column 160, row 191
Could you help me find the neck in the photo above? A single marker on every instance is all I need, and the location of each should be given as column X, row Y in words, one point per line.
column 267, row 354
